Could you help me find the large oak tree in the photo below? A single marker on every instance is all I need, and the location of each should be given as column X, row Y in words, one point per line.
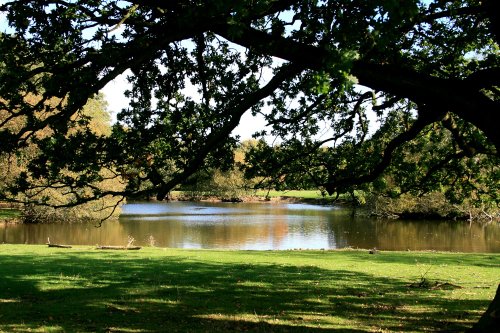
column 438, row 59
column 423, row 66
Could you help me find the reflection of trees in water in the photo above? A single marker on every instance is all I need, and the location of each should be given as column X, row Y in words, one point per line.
column 279, row 231
column 264, row 225
column 3, row 226
column 345, row 231
column 111, row 232
column 414, row 235
column 178, row 233
column 267, row 227
column 438, row 235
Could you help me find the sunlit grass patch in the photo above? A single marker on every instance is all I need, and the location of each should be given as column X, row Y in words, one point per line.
column 159, row 290
column 9, row 300
column 8, row 213
column 307, row 194
column 28, row 328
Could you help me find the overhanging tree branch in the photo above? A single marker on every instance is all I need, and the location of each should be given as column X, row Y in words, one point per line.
column 458, row 96
column 236, row 108
column 425, row 118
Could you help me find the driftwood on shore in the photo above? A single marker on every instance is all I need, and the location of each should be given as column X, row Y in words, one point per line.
column 118, row 247
column 59, row 245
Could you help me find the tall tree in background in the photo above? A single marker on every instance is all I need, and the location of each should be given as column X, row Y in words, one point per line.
column 40, row 195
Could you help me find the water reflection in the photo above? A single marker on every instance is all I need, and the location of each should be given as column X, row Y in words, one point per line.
column 260, row 226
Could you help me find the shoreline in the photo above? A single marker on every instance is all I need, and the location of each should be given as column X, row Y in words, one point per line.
column 257, row 199
column 275, row 199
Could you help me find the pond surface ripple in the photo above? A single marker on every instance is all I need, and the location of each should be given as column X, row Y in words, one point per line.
column 260, row 226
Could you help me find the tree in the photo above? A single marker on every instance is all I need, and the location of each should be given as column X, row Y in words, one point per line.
column 421, row 63
column 441, row 56
column 38, row 195
column 429, row 166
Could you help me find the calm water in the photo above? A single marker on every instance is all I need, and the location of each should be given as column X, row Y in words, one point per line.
column 260, row 226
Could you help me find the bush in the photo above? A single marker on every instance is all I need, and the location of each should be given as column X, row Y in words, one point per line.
column 226, row 186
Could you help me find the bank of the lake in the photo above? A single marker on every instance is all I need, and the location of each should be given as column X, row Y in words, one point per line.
column 171, row 290
column 289, row 196
column 432, row 206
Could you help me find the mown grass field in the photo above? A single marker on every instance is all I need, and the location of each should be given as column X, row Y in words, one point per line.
column 170, row 290
column 305, row 194
column 299, row 194
column 7, row 213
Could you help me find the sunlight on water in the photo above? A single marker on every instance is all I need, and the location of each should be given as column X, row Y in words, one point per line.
column 260, row 226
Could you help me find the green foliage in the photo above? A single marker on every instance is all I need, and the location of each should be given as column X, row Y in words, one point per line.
column 38, row 175
column 433, row 205
column 388, row 97
column 434, row 161
column 224, row 185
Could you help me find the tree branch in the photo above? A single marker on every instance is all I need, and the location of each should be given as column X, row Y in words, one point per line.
column 236, row 108
column 425, row 118
column 458, row 96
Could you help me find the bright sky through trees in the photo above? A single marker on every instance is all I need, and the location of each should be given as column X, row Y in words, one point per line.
column 200, row 69
column 114, row 90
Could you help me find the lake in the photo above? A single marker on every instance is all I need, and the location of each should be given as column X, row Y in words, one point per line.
column 259, row 226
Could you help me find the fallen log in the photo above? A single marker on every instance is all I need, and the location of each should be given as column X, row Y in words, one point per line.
column 118, row 247
column 59, row 245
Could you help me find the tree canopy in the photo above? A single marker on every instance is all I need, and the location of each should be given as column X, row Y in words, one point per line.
column 409, row 88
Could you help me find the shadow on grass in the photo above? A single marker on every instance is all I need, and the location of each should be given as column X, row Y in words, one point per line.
column 114, row 292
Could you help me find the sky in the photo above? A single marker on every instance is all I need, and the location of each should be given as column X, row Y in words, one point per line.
column 3, row 20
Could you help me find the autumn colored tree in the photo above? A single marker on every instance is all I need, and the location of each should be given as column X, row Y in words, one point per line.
column 39, row 197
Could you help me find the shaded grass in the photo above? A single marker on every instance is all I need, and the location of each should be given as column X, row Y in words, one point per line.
column 169, row 290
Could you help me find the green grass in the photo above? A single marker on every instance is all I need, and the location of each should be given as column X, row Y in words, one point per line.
column 169, row 290
column 7, row 213
column 306, row 194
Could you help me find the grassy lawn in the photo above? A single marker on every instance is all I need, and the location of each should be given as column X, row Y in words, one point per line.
column 312, row 194
column 305, row 194
column 7, row 213
column 169, row 290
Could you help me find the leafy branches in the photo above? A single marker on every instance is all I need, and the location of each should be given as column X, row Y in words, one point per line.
column 319, row 72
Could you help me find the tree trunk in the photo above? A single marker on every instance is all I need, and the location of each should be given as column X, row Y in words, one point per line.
column 490, row 320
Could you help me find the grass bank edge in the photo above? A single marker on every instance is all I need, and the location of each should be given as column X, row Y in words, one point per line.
column 300, row 256
column 352, row 258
